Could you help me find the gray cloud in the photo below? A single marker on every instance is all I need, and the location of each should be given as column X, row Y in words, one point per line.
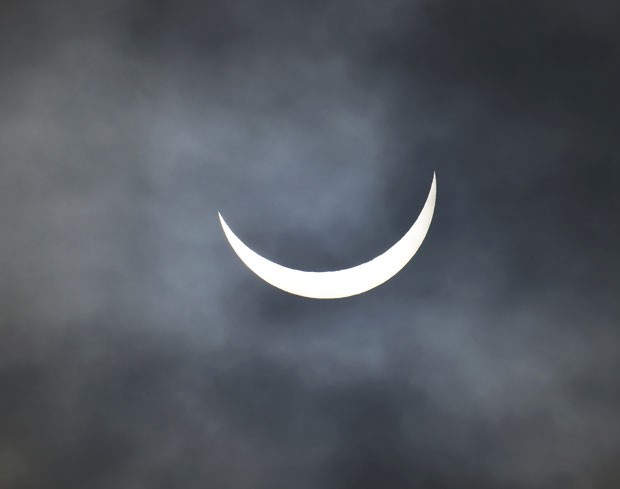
column 138, row 352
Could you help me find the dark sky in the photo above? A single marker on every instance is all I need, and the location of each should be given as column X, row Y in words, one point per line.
column 136, row 351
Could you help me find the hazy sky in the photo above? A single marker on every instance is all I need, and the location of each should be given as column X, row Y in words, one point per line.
column 138, row 352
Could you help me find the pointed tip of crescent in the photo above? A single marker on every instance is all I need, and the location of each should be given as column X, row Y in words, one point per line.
column 222, row 222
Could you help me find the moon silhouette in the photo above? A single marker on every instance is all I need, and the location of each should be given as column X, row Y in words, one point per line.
column 340, row 283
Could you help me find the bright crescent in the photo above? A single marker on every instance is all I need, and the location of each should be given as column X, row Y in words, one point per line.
column 340, row 283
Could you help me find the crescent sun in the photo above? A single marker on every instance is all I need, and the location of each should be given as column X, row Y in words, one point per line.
column 340, row 283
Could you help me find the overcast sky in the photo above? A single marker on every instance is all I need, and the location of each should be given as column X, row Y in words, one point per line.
column 138, row 352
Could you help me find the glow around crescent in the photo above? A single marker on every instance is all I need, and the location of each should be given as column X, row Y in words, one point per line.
column 340, row 283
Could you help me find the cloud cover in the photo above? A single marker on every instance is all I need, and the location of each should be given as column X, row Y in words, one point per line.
column 138, row 352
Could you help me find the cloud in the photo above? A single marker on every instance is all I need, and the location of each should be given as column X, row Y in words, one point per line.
column 138, row 352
